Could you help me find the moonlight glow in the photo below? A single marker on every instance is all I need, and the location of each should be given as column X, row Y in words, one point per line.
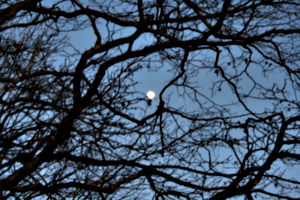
column 150, row 94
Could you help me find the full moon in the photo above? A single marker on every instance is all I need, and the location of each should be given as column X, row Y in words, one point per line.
column 150, row 94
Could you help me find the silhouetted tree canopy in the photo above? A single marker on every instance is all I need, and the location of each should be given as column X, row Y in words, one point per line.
column 76, row 124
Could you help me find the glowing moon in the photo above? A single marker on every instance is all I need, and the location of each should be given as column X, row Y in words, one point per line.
column 150, row 94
